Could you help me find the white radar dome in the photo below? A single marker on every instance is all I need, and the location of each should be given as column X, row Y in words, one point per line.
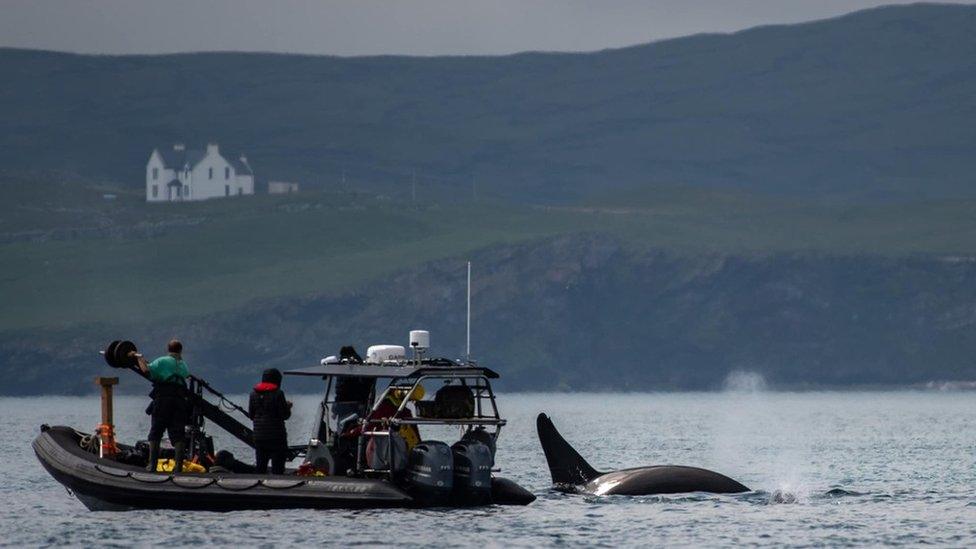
column 420, row 339
column 378, row 354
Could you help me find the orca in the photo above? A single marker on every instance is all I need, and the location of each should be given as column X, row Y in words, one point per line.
column 571, row 473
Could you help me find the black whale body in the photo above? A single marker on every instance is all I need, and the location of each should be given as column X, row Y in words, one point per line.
column 570, row 472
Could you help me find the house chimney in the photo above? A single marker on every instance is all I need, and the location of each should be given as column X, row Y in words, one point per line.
column 179, row 147
column 243, row 159
column 213, row 148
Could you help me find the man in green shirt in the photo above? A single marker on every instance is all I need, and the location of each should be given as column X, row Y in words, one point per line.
column 169, row 407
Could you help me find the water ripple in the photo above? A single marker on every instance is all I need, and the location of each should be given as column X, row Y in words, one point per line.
column 830, row 469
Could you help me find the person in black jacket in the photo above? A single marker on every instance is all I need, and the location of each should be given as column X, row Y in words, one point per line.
column 269, row 410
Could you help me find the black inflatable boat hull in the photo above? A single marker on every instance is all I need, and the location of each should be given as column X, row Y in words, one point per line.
column 105, row 485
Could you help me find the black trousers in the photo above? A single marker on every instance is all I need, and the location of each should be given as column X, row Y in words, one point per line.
column 168, row 414
column 276, row 454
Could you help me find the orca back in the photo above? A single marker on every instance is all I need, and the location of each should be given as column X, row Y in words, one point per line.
column 663, row 479
column 565, row 464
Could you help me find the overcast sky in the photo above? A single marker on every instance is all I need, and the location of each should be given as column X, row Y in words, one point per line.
column 367, row 27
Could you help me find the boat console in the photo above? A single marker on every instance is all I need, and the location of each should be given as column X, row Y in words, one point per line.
column 380, row 435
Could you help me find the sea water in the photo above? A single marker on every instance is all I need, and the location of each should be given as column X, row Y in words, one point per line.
column 826, row 468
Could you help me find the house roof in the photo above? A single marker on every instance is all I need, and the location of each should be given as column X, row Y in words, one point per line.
column 177, row 159
column 174, row 183
column 241, row 167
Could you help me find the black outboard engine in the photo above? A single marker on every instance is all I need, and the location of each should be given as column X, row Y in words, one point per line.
column 430, row 472
column 472, row 472
column 483, row 436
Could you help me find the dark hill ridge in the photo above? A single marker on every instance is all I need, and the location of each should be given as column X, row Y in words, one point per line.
column 875, row 104
column 586, row 313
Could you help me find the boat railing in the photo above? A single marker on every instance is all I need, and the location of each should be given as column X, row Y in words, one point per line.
column 485, row 414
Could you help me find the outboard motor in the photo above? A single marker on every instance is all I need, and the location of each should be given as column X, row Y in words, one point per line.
column 472, row 472
column 430, row 472
column 481, row 435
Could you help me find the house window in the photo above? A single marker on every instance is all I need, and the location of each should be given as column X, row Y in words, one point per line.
column 155, row 173
column 210, row 173
column 186, row 191
column 240, row 191
column 155, row 191
column 177, row 191
column 226, row 173
column 226, row 190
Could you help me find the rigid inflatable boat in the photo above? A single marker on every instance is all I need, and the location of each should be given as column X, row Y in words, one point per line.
column 366, row 451
column 107, row 485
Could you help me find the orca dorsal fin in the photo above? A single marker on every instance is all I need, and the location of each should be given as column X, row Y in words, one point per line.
column 565, row 464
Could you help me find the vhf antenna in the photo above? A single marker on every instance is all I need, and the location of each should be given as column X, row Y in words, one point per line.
column 469, row 313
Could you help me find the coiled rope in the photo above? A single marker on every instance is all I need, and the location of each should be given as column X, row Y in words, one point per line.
column 89, row 443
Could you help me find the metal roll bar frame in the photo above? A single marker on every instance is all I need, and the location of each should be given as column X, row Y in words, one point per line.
column 486, row 415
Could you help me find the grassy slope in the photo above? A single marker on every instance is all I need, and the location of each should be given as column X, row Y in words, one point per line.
column 219, row 255
column 251, row 249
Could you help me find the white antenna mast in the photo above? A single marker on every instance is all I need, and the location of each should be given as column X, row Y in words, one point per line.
column 469, row 312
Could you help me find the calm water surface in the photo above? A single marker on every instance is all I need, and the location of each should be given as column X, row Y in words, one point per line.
column 826, row 469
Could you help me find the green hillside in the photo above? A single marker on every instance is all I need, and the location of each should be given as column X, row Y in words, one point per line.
column 73, row 258
column 126, row 260
column 573, row 312
column 871, row 105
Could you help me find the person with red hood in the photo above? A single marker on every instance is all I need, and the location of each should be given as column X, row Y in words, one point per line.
column 269, row 410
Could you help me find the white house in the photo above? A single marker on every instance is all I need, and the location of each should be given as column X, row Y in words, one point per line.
column 176, row 174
